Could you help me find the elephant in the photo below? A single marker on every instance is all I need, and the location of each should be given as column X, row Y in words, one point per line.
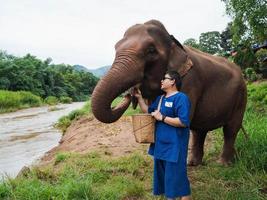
column 214, row 85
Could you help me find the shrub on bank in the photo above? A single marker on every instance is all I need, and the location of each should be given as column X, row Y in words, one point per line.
column 11, row 101
column 30, row 99
column 65, row 99
column 51, row 100
column 65, row 121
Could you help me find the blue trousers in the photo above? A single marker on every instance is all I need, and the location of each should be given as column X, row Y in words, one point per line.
column 170, row 179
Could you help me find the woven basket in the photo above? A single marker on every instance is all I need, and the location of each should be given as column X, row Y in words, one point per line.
column 143, row 127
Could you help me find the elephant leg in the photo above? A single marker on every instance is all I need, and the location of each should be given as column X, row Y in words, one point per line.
column 230, row 132
column 196, row 147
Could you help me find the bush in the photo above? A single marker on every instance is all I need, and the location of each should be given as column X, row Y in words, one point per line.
column 65, row 99
column 63, row 123
column 250, row 74
column 11, row 101
column 28, row 98
column 51, row 100
column 257, row 92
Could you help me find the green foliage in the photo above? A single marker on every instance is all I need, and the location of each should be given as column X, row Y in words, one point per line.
column 11, row 101
column 65, row 121
column 252, row 154
column 210, row 42
column 192, row 43
column 61, row 157
column 226, row 39
column 65, row 99
column 261, row 56
column 44, row 79
column 51, row 100
column 257, row 93
column 250, row 74
column 245, row 57
column 249, row 20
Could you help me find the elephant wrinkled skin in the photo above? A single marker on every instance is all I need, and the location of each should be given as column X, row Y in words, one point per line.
column 214, row 85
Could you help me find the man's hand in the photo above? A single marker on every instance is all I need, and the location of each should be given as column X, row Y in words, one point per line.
column 157, row 115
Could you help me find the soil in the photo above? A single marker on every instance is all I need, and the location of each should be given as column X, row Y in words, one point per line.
column 88, row 135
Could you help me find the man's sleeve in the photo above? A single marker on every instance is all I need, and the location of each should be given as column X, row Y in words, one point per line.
column 154, row 105
column 183, row 110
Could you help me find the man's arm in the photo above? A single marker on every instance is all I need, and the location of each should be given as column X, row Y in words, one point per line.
column 142, row 104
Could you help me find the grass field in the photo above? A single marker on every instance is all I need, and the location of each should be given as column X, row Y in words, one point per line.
column 98, row 177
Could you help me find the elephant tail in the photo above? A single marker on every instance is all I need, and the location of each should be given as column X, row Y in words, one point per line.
column 245, row 132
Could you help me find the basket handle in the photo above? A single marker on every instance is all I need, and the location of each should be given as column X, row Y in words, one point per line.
column 158, row 108
column 144, row 126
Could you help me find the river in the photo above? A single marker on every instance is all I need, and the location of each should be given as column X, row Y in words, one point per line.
column 27, row 134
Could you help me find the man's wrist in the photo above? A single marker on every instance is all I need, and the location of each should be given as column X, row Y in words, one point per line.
column 163, row 118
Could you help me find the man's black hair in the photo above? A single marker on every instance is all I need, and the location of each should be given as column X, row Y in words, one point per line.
column 175, row 76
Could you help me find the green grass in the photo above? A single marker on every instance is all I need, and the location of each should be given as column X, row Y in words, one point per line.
column 97, row 176
column 12, row 101
column 246, row 179
column 90, row 176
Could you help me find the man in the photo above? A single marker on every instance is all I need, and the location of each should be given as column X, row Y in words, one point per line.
column 171, row 138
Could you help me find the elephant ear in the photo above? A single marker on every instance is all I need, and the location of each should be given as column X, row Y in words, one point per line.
column 185, row 67
column 179, row 59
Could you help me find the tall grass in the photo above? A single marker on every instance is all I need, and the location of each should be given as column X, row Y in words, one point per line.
column 246, row 179
column 11, row 101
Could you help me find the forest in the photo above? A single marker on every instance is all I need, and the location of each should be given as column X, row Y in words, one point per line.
column 44, row 79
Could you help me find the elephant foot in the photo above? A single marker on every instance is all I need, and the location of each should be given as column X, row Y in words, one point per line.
column 224, row 162
column 194, row 161
column 227, row 157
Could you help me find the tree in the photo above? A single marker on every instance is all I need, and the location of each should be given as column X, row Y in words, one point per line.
column 226, row 39
column 249, row 20
column 192, row 43
column 210, row 42
column 43, row 78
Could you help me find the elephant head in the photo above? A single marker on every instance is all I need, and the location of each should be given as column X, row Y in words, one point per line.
column 142, row 57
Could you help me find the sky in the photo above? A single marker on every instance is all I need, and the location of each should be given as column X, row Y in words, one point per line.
column 84, row 32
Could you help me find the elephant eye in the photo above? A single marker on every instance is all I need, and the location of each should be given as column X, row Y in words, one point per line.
column 151, row 50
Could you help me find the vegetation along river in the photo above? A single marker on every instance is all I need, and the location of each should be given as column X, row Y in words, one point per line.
column 27, row 134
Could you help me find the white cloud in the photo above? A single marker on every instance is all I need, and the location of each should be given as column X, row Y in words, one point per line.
column 85, row 32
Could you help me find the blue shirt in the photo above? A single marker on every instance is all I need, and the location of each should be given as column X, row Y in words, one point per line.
column 170, row 141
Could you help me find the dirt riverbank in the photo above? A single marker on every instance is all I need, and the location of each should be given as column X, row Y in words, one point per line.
column 88, row 134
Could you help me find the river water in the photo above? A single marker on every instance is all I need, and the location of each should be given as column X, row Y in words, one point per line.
column 27, row 134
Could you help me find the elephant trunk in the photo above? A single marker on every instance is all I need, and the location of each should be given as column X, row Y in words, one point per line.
column 123, row 74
